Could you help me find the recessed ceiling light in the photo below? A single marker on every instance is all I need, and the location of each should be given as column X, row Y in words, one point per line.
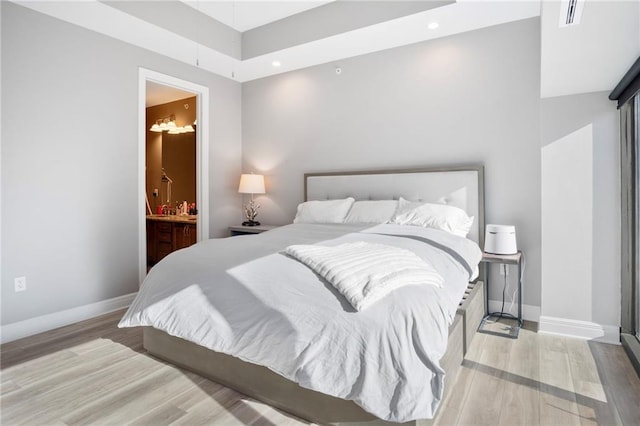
column 433, row 25
column 276, row 63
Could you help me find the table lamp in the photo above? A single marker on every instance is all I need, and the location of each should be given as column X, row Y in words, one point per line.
column 251, row 184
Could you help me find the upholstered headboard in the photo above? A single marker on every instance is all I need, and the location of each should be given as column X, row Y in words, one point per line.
column 460, row 186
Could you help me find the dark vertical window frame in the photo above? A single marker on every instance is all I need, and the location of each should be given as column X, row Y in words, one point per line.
column 628, row 97
column 629, row 86
column 629, row 178
column 636, row 217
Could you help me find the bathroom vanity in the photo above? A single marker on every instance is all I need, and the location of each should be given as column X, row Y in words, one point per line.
column 168, row 233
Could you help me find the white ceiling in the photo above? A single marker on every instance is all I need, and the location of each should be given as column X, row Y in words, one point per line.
column 459, row 17
column 588, row 57
column 592, row 56
column 462, row 16
column 243, row 15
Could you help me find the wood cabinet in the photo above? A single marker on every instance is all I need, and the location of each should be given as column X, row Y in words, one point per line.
column 184, row 235
column 164, row 237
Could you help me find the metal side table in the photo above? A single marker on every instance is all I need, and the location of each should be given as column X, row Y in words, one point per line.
column 503, row 259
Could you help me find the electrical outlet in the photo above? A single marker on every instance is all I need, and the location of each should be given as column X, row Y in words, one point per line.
column 20, row 284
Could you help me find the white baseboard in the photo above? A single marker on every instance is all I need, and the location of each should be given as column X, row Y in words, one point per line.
column 31, row 326
column 579, row 329
column 529, row 312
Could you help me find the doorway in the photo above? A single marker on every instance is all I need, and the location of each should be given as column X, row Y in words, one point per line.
column 168, row 191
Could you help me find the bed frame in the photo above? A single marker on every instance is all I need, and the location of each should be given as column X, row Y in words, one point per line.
column 462, row 186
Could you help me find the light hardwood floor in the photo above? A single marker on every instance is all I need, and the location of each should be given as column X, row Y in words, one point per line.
column 94, row 373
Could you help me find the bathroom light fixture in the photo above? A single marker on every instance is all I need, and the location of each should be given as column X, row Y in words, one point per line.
column 168, row 124
column 276, row 63
column 165, row 123
column 433, row 25
column 251, row 184
column 179, row 130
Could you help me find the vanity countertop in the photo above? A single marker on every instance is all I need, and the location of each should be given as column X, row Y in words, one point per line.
column 173, row 218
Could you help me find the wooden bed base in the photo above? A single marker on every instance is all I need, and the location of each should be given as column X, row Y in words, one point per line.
column 265, row 385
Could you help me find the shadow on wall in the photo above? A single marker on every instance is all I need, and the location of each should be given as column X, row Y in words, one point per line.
column 580, row 215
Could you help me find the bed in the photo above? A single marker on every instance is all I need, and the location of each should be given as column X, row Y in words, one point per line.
column 256, row 260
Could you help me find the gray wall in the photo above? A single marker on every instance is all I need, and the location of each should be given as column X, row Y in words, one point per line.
column 598, row 297
column 467, row 98
column 69, row 161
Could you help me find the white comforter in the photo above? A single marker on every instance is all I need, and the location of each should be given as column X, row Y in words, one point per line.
column 360, row 271
column 242, row 297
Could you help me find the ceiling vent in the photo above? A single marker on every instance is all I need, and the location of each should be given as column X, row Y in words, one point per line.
column 570, row 12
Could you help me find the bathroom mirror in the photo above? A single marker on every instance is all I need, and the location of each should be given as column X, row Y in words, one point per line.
column 173, row 153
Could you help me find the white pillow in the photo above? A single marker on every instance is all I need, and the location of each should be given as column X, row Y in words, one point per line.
column 439, row 216
column 371, row 211
column 405, row 206
column 329, row 211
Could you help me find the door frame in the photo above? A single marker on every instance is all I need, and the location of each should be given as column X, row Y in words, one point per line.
column 202, row 156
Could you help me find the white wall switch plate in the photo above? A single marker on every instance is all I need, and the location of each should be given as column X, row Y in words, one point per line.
column 20, row 284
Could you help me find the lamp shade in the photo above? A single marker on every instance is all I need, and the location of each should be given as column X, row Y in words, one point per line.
column 251, row 184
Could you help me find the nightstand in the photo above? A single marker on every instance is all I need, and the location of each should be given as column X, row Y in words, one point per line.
column 501, row 259
column 248, row 230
